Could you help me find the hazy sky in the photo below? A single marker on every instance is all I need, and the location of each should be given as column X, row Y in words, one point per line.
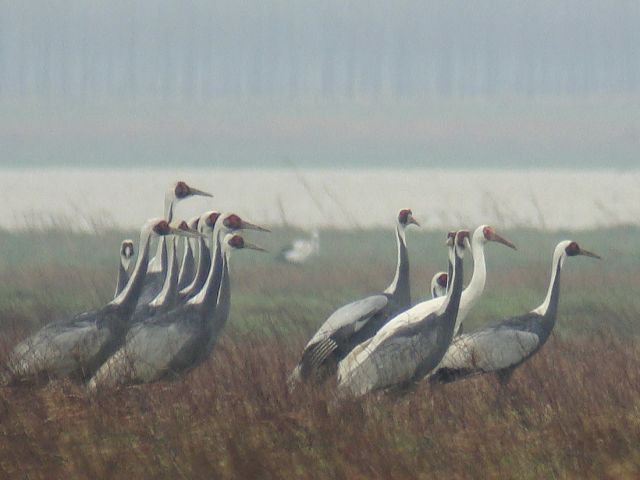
column 413, row 82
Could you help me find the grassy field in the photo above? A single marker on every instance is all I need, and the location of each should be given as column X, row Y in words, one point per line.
column 572, row 412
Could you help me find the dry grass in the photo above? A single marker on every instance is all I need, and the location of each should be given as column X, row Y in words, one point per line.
column 572, row 412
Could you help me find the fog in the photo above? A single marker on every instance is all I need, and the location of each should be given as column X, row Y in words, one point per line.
column 289, row 79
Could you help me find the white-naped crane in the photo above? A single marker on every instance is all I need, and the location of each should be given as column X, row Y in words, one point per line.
column 301, row 249
column 439, row 284
column 188, row 263
column 358, row 321
column 126, row 254
column 504, row 345
column 168, row 296
column 157, row 268
column 410, row 345
column 178, row 340
column 78, row 346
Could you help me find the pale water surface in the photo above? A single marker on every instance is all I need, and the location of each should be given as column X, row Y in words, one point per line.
column 349, row 198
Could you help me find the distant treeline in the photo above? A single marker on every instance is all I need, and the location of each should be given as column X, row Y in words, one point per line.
column 313, row 49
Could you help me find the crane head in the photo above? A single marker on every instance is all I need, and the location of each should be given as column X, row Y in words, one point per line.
column 162, row 228
column 574, row 249
column 237, row 242
column 181, row 191
column 126, row 249
column 210, row 220
column 193, row 223
column 442, row 279
column 405, row 218
column 450, row 238
column 233, row 222
column 489, row 235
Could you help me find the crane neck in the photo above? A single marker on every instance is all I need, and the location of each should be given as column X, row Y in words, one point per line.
column 218, row 320
column 202, row 269
column 187, row 265
column 127, row 298
column 473, row 292
column 400, row 288
column 450, row 268
column 450, row 306
column 168, row 294
column 549, row 308
column 206, row 298
column 123, row 277
column 161, row 251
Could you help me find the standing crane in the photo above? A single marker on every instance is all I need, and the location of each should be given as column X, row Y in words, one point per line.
column 158, row 265
column 410, row 344
column 505, row 345
column 78, row 346
column 126, row 254
column 358, row 321
column 183, row 337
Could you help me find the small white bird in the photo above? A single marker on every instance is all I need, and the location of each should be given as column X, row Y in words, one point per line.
column 301, row 250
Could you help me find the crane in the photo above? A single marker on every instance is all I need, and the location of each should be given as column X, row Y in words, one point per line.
column 78, row 346
column 360, row 320
column 410, row 344
column 183, row 337
column 503, row 346
column 126, row 254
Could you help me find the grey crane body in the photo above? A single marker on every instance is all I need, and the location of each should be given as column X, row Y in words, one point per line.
column 78, row 346
column 358, row 321
column 504, row 345
column 407, row 347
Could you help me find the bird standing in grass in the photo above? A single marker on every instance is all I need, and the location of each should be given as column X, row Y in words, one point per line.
column 358, row 321
column 505, row 345
column 410, row 345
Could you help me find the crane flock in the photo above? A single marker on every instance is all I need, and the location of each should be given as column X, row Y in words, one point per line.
column 169, row 312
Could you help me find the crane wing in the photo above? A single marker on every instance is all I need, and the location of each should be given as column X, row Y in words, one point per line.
column 343, row 323
column 489, row 350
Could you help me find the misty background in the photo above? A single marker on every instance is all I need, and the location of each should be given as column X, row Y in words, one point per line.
column 362, row 83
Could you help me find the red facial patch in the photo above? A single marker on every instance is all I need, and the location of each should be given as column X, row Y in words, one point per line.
column 236, row 241
column 183, row 226
column 442, row 279
column 403, row 216
column 233, row 222
column 572, row 249
column 488, row 232
column 182, row 190
column 162, row 228
column 212, row 219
